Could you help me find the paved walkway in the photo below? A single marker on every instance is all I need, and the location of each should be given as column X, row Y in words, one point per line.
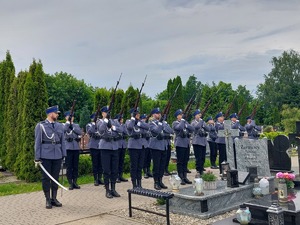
column 87, row 205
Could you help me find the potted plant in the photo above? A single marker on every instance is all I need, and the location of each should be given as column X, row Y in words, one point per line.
column 210, row 180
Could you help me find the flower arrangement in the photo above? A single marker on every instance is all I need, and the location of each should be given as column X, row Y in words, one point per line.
column 209, row 176
column 288, row 177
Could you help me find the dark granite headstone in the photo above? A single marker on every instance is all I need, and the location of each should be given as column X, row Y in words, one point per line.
column 277, row 152
column 243, row 177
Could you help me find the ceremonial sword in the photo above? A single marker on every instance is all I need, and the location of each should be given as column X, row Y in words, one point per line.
column 48, row 174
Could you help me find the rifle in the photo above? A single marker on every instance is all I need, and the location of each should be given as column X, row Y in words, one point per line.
column 168, row 106
column 72, row 110
column 112, row 99
column 254, row 111
column 139, row 95
column 242, row 109
column 230, row 106
column 97, row 114
column 199, row 100
column 209, row 102
column 188, row 108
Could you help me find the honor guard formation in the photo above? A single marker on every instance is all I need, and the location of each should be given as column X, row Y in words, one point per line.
column 148, row 137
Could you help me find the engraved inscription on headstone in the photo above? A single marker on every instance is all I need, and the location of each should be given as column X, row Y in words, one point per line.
column 228, row 133
column 250, row 152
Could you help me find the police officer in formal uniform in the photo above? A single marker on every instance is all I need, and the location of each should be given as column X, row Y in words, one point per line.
column 213, row 147
column 252, row 129
column 108, row 131
column 158, row 147
column 182, row 131
column 146, row 134
column 136, row 147
column 221, row 140
column 167, row 139
column 199, row 140
column 50, row 149
column 235, row 124
column 93, row 145
column 122, row 145
column 73, row 135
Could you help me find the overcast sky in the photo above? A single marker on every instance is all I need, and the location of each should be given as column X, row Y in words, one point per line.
column 95, row 40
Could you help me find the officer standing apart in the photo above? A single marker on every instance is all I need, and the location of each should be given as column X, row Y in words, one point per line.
column 136, row 146
column 221, row 140
column 199, row 140
column 94, row 135
column 72, row 136
column 50, row 149
column 122, row 145
column 182, row 131
column 158, row 147
column 146, row 139
column 235, row 124
column 108, row 131
column 252, row 128
column 212, row 142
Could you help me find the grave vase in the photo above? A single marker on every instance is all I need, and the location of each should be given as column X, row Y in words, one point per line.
column 210, row 185
column 282, row 191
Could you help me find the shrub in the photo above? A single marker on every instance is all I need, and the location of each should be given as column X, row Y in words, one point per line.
column 85, row 165
column 209, row 176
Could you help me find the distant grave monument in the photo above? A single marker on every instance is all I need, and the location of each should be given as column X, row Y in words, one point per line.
column 295, row 140
column 250, row 152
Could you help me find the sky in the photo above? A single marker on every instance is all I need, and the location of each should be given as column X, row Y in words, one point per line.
column 96, row 40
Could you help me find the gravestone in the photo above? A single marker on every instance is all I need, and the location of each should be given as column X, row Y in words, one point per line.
column 228, row 133
column 295, row 140
column 250, row 152
column 277, row 152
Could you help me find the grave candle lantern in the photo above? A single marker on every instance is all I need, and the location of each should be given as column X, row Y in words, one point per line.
column 225, row 169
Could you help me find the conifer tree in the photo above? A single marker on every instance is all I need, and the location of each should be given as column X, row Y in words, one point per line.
column 129, row 99
column 35, row 103
column 7, row 75
column 178, row 101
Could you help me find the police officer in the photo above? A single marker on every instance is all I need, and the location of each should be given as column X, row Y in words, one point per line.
column 108, row 131
column 199, row 140
column 252, row 129
column 93, row 145
column 158, row 146
column 212, row 142
column 167, row 139
column 50, row 149
column 182, row 131
column 122, row 145
column 146, row 134
column 221, row 140
column 136, row 146
column 235, row 124
column 73, row 135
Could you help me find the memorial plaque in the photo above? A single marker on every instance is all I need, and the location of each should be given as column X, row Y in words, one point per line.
column 250, row 152
column 243, row 177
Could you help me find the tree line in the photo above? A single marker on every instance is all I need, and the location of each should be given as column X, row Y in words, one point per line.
column 25, row 96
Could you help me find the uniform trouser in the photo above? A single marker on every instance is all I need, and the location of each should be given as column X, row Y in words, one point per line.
column 234, row 155
column 222, row 154
column 72, row 161
column 110, row 159
column 53, row 167
column 136, row 162
column 121, row 153
column 96, row 161
column 213, row 147
column 199, row 152
column 187, row 158
column 168, row 157
column 159, row 162
column 148, row 157
column 181, row 154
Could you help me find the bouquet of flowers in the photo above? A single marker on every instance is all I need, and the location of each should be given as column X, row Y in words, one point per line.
column 288, row 177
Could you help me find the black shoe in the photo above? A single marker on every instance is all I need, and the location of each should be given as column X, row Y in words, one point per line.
column 123, row 179
column 161, row 184
column 187, row 181
column 204, row 169
column 71, row 187
column 182, row 182
column 48, row 204
column 76, row 186
column 101, row 182
column 134, row 185
column 56, row 203
column 157, row 186
column 139, row 183
column 96, row 183
column 188, row 171
column 108, row 194
column 118, row 180
column 113, row 190
column 146, row 175
column 214, row 167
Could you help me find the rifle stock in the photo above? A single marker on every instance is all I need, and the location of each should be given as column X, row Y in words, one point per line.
column 72, row 110
column 97, row 114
